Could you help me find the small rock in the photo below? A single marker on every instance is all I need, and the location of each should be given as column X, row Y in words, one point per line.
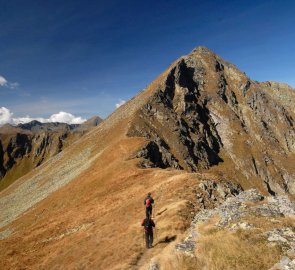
column 276, row 238
column 202, row 186
column 153, row 266
column 242, row 225
column 291, row 252
column 284, row 264
column 283, row 235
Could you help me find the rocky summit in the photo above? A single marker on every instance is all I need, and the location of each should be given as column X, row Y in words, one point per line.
column 207, row 113
column 216, row 150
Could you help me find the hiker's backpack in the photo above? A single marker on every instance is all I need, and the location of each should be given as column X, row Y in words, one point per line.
column 148, row 202
column 147, row 223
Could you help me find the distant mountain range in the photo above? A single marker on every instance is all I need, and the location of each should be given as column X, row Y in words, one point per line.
column 26, row 146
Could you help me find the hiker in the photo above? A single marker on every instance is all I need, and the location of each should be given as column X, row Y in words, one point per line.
column 148, row 224
column 148, row 201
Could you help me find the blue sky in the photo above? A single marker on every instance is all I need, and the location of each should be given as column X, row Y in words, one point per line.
column 84, row 57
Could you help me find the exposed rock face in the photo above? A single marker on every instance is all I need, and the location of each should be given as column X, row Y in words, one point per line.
column 27, row 146
column 206, row 112
column 213, row 193
column 177, row 121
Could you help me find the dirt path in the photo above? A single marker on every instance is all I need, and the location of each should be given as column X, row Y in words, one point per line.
column 145, row 257
column 160, row 241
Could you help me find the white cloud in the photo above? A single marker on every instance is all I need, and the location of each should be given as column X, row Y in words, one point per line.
column 65, row 117
column 27, row 119
column 61, row 117
column 5, row 116
column 3, row 81
column 121, row 102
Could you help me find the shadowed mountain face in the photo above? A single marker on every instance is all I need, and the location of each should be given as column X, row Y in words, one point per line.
column 206, row 112
column 27, row 146
column 200, row 133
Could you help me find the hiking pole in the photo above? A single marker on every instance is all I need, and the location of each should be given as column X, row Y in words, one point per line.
column 143, row 237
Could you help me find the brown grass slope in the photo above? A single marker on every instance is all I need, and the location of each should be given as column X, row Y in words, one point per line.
column 82, row 208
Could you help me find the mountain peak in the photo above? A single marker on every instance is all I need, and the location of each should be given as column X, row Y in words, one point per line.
column 30, row 124
column 278, row 85
column 185, row 123
column 93, row 121
column 202, row 49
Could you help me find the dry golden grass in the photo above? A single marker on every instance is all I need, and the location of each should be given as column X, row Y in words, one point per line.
column 181, row 262
column 243, row 250
column 264, row 224
column 220, row 249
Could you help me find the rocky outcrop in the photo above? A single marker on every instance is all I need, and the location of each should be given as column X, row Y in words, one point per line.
column 213, row 193
column 2, row 169
column 205, row 112
column 156, row 154
column 234, row 215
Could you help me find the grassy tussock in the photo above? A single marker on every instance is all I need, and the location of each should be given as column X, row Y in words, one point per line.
column 181, row 262
column 243, row 250
column 267, row 224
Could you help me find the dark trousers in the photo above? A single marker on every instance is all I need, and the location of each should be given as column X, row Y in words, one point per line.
column 148, row 210
column 149, row 238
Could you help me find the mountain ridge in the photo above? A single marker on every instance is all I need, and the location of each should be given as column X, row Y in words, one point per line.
column 200, row 131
